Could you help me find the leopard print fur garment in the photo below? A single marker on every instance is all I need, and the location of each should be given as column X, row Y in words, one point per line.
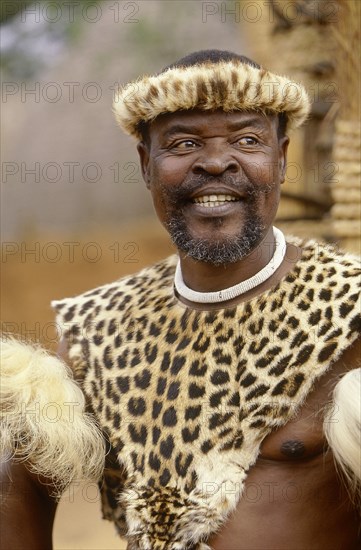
column 186, row 397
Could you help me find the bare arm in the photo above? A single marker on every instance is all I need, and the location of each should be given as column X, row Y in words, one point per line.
column 26, row 512
column 70, row 449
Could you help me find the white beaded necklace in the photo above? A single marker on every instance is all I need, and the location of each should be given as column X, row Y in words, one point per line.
column 240, row 288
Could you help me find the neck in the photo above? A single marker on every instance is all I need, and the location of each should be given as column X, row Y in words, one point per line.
column 293, row 254
column 204, row 277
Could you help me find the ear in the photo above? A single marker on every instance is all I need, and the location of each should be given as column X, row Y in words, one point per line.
column 144, row 156
column 282, row 156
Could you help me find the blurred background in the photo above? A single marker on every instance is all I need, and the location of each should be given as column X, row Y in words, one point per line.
column 75, row 212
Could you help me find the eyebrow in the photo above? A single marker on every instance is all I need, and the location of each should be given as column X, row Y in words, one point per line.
column 232, row 126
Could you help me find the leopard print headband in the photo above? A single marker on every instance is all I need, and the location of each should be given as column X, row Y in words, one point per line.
column 230, row 85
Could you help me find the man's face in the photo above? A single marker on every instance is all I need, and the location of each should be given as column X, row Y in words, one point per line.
column 215, row 180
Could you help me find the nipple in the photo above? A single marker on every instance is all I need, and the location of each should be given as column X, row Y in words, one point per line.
column 293, row 448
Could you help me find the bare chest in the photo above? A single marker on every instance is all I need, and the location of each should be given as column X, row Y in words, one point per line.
column 293, row 497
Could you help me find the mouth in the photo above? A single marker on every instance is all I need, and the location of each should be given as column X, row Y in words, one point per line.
column 216, row 198
column 211, row 201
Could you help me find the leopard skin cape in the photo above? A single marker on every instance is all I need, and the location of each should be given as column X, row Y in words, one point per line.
column 185, row 397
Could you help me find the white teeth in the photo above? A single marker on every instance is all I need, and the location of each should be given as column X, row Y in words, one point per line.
column 214, row 200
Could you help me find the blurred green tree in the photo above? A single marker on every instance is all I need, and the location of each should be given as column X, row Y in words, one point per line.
column 26, row 49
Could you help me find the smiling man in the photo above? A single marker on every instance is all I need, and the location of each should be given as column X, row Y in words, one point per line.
column 215, row 183
column 215, row 213
column 225, row 378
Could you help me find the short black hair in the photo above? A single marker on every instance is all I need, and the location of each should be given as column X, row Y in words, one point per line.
column 213, row 56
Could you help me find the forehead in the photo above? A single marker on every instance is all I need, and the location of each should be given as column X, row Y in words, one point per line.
column 196, row 121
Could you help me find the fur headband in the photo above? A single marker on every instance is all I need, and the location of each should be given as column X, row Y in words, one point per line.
column 230, row 85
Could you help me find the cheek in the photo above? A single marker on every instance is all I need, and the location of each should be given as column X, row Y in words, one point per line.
column 261, row 171
column 160, row 199
column 264, row 174
column 271, row 204
column 168, row 171
column 165, row 176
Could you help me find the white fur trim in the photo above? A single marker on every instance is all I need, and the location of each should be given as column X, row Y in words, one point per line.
column 342, row 428
column 42, row 417
column 228, row 85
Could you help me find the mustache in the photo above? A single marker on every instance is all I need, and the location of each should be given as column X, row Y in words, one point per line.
column 195, row 183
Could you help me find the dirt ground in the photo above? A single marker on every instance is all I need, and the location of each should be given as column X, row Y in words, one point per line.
column 78, row 523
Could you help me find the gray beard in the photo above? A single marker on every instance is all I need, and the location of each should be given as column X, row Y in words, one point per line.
column 216, row 252
column 228, row 249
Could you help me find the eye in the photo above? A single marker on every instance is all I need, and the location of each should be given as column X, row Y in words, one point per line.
column 184, row 145
column 247, row 140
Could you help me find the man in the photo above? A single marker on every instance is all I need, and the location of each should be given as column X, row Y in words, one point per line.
column 211, row 376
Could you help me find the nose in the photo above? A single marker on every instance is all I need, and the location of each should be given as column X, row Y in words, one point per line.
column 215, row 161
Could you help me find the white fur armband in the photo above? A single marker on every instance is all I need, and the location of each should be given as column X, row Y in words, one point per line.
column 342, row 428
column 42, row 417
